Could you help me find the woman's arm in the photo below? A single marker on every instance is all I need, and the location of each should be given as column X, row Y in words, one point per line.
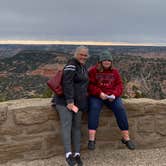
column 92, row 87
column 118, row 89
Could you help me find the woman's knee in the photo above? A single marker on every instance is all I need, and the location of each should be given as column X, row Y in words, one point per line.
column 118, row 105
column 94, row 104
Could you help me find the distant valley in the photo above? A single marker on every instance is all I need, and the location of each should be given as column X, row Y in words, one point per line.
column 24, row 69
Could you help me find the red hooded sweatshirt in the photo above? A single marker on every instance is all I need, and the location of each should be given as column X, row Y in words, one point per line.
column 108, row 81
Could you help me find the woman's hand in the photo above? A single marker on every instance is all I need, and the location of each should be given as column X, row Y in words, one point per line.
column 103, row 96
column 111, row 97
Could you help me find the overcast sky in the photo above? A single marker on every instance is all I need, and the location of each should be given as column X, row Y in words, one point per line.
column 88, row 20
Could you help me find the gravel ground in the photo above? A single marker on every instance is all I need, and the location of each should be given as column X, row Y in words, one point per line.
column 106, row 157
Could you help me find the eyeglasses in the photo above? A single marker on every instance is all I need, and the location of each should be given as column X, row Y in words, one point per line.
column 84, row 55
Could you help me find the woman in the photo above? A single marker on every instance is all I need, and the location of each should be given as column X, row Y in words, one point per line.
column 71, row 105
column 105, row 87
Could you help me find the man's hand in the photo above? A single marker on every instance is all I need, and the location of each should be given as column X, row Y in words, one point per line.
column 72, row 107
column 103, row 96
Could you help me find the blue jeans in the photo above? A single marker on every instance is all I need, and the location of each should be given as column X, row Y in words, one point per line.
column 95, row 106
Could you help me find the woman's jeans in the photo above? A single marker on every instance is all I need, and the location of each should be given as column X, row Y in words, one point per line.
column 95, row 106
column 70, row 128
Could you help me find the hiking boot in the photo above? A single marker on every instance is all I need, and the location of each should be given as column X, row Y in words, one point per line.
column 91, row 145
column 78, row 160
column 70, row 160
column 130, row 145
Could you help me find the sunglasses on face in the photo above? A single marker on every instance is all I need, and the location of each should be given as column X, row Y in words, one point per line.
column 83, row 55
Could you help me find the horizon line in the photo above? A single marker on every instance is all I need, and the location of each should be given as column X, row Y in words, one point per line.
column 61, row 42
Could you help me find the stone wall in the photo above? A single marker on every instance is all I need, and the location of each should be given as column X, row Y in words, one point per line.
column 30, row 128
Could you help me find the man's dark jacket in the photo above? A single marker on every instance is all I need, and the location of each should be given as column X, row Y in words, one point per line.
column 75, row 83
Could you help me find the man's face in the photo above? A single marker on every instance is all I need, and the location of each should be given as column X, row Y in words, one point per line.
column 82, row 56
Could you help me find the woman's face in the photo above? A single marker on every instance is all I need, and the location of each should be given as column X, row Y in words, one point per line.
column 106, row 64
column 82, row 56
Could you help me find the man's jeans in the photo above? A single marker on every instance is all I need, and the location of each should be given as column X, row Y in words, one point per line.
column 70, row 128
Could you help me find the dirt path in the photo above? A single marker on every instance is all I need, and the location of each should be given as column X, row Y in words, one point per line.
column 106, row 157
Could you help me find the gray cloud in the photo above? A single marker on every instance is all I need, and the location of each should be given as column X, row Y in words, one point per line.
column 106, row 20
